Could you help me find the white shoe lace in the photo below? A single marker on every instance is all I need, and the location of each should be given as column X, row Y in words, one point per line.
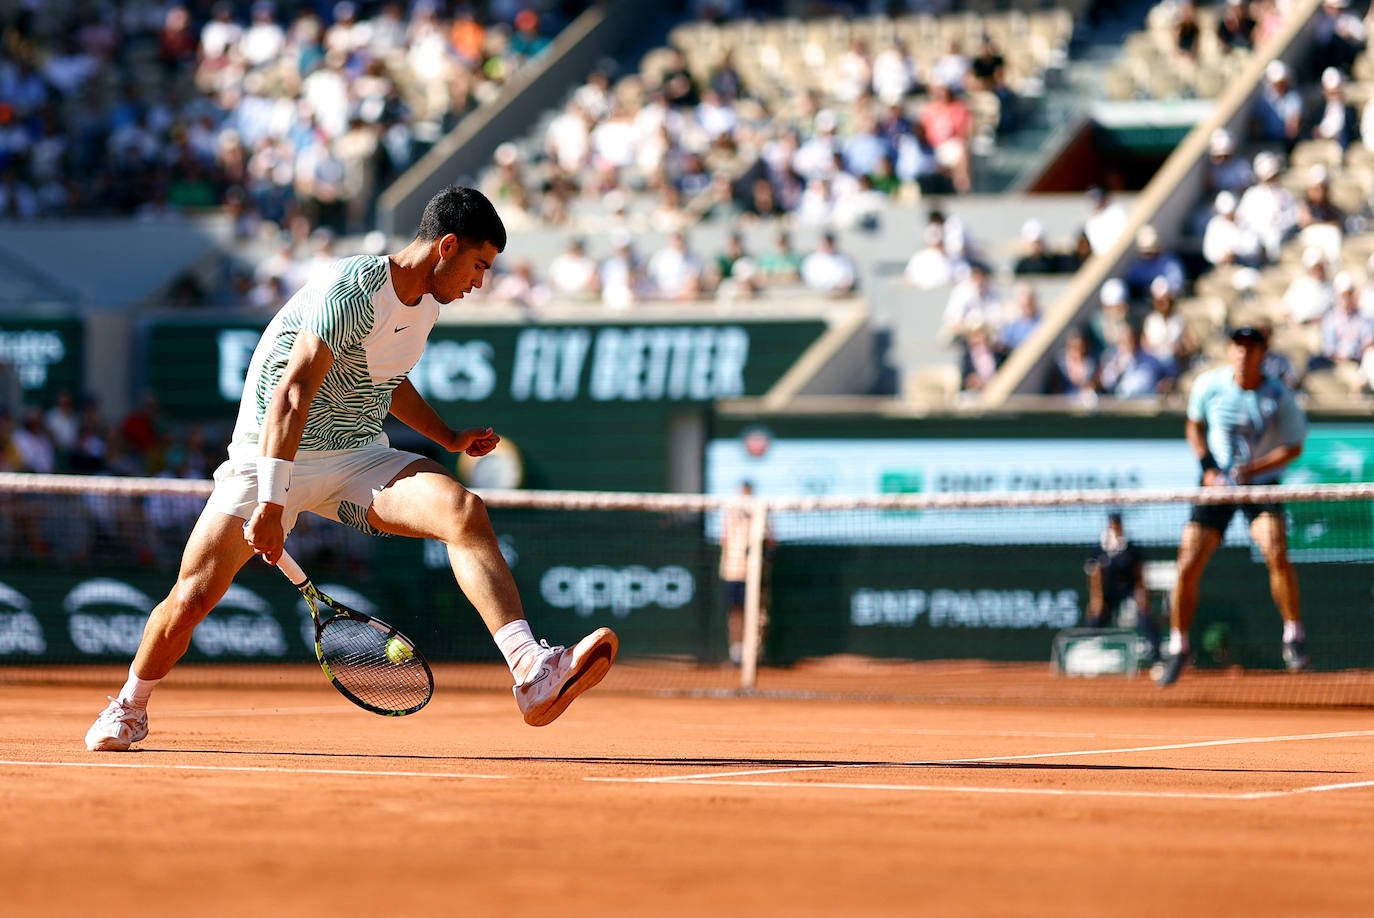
column 546, row 652
column 120, row 712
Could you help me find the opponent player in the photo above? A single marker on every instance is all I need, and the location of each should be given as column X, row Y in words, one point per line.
column 1245, row 428
column 329, row 368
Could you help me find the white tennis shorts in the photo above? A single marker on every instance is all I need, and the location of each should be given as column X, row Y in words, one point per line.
column 338, row 484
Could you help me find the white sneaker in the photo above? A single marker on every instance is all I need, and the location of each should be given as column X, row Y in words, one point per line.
column 117, row 728
column 561, row 674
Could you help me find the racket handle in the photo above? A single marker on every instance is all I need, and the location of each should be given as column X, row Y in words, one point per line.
column 288, row 566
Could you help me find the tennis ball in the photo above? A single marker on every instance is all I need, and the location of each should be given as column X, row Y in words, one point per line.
column 397, row 651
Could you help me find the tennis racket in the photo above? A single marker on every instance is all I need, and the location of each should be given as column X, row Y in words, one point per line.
column 371, row 663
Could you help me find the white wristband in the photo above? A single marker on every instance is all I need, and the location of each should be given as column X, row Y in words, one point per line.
column 274, row 480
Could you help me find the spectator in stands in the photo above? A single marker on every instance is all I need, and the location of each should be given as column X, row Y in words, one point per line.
column 1278, row 112
column 828, row 271
column 1310, row 295
column 1024, row 316
column 973, row 300
column 34, row 445
column 782, row 264
column 980, row 356
column 950, row 69
column 722, row 266
column 527, row 41
column 1267, row 209
column 1187, row 32
column 1106, row 219
column 573, row 273
column 620, row 273
column 1152, row 261
column 1128, row 371
column 1164, row 335
column 1345, row 333
column 863, row 150
column 679, row 87
column 917, row 164
column 894, row 78
column 1316, row 207
column 1110, row 322
column 1079, row 253
column 852, row 73
column 1334, row 118
column 987, row 73
column 141, row 429
column 1235, row 28
column 948, row 124
column 1075, row 368
column 520, row 288
column 1036, row 257
column 674, row 272
column 1225, row 241
column 1225, row 170
column 762, row 203
column 856, row 204
column 1338, row 37
column 959, row 241
column 63, row 423
column 931, row 266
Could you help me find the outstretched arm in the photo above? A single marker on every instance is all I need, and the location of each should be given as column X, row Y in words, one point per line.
column 410, row 408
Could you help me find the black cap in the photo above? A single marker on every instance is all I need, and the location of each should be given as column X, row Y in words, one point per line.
column 1114, row 516
column 1249, row 334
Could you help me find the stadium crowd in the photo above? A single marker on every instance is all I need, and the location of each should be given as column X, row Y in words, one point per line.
column 269, row 107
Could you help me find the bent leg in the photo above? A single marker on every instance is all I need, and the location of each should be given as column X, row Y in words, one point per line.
column 1267, row 530
column 214, row 553
column 425, row 501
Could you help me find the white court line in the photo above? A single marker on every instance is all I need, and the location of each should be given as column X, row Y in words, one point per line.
column 731, row 778
column 253, row 712
column 1240, row 741
column 256, row 769
column 1022, row 791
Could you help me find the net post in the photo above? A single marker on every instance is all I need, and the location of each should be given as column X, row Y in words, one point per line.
column 753, row 595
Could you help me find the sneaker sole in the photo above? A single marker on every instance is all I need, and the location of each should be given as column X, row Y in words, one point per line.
column 591, row 670
column 111, row 744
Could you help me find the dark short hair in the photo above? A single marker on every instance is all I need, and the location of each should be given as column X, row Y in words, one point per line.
column 464, row 212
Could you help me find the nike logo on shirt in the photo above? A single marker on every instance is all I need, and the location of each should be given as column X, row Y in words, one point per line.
column 401, row 328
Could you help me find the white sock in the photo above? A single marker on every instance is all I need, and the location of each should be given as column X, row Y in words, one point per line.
column 137, row 691
column 517, row 644
column 1292, row 631
column 1178, row 642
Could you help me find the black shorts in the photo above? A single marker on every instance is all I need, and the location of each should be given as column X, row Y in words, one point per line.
column 734, row 592
column 1218, row 516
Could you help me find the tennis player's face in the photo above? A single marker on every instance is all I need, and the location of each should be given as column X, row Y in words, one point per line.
column 1246, row 359
column 461, row 268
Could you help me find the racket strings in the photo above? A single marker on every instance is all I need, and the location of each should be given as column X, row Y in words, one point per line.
column 356, row 654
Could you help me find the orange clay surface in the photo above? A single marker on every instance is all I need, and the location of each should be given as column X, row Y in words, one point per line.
column 289, row 801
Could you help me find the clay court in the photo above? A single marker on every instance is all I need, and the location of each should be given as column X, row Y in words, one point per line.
column 290, row 801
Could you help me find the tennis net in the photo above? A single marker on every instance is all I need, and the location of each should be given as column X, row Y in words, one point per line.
column 907, row 597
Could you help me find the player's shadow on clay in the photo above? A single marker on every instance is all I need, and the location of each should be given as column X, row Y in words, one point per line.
column 744, row 762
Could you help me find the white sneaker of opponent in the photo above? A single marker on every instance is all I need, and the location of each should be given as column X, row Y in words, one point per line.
column 117, row 728
column 560, row 674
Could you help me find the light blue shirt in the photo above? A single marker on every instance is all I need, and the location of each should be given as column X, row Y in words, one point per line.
column 1244, row 424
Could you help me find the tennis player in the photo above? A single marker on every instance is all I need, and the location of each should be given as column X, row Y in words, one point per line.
column 330, row 367
column 1245, row 428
